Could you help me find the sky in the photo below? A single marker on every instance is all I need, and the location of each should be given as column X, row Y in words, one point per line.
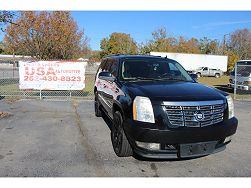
column 140, row 24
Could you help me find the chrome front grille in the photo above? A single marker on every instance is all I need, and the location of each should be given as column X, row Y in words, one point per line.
column 194, row 114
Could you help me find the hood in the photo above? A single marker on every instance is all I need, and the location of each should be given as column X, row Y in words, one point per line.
column 174, row 91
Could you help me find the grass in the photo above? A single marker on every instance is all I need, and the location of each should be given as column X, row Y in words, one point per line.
column 212, row 81
column 89, row 84
column 9, row 87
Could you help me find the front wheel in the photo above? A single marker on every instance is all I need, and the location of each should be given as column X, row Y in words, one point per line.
column 198, row 75
column 120, row 144
column 217, row 75
column 98, row 112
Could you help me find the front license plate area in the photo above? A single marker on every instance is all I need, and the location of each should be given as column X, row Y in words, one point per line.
column 197, row 149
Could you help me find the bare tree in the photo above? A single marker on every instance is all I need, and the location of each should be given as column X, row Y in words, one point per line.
column 240, row 43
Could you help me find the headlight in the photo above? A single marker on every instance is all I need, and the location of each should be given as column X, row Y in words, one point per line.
column 143, row 110
column 230, row 106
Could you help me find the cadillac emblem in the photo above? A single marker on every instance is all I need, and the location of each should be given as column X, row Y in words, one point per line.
column 199, row 116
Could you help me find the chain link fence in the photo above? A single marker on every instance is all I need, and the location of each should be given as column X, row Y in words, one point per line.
column 9, row 84
column 240, row 80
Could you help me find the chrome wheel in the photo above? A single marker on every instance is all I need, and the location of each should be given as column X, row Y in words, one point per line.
column 217, row 75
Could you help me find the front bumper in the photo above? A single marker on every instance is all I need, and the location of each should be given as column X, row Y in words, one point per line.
column 175, row 154
column 242, row 87
column 137, row 131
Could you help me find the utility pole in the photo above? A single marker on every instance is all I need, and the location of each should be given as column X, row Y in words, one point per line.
column 243, row 53
column 224, row 44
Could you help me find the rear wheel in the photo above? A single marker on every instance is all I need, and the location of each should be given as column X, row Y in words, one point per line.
column 217, row 75
column 98, row 112
column 198, row 74
column 120, row 144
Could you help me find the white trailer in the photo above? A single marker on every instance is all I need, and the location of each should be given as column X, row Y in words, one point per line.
column 193, row 61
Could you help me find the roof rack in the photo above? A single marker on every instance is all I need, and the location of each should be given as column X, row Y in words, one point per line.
column 114, row 55
column 148, row 54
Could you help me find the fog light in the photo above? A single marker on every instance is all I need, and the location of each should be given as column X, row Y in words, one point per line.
column 148, row 146
column 228, row 139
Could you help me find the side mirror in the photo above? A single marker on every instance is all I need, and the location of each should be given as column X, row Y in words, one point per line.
column 106, row 76
column 194, row 76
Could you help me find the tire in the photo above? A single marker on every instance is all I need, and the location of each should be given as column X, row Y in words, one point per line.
column 198, row 74
column 217, row 75
column 120, row 144
column 98, row 112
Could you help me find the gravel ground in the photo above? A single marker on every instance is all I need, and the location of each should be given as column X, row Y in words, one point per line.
column 65, row 139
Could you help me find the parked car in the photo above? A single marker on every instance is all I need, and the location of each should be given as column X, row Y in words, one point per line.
column 243, row 75
column 158, row 110
column 205, row 71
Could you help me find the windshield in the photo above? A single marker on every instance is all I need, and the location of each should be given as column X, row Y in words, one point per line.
column 243, row 69
column 200, row 68
column 153, row 69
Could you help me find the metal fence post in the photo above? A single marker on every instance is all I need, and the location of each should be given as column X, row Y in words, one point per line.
column 13, row 74
column 40, row 94
column 235, row 80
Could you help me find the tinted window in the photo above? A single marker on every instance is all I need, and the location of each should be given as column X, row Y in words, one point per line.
column 107, row 65
column 244, row 63
column 173, row 67
column 153, row 69
column 114, row 67
column 102, row 65
column 205, row 69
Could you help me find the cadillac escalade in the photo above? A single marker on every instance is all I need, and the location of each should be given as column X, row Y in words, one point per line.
column 158, row 110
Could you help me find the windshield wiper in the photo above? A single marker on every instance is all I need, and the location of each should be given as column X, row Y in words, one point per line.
column 142, row 78
column 159, row 79
column 174, row 79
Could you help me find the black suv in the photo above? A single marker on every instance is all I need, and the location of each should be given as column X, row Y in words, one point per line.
column 158, row 110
